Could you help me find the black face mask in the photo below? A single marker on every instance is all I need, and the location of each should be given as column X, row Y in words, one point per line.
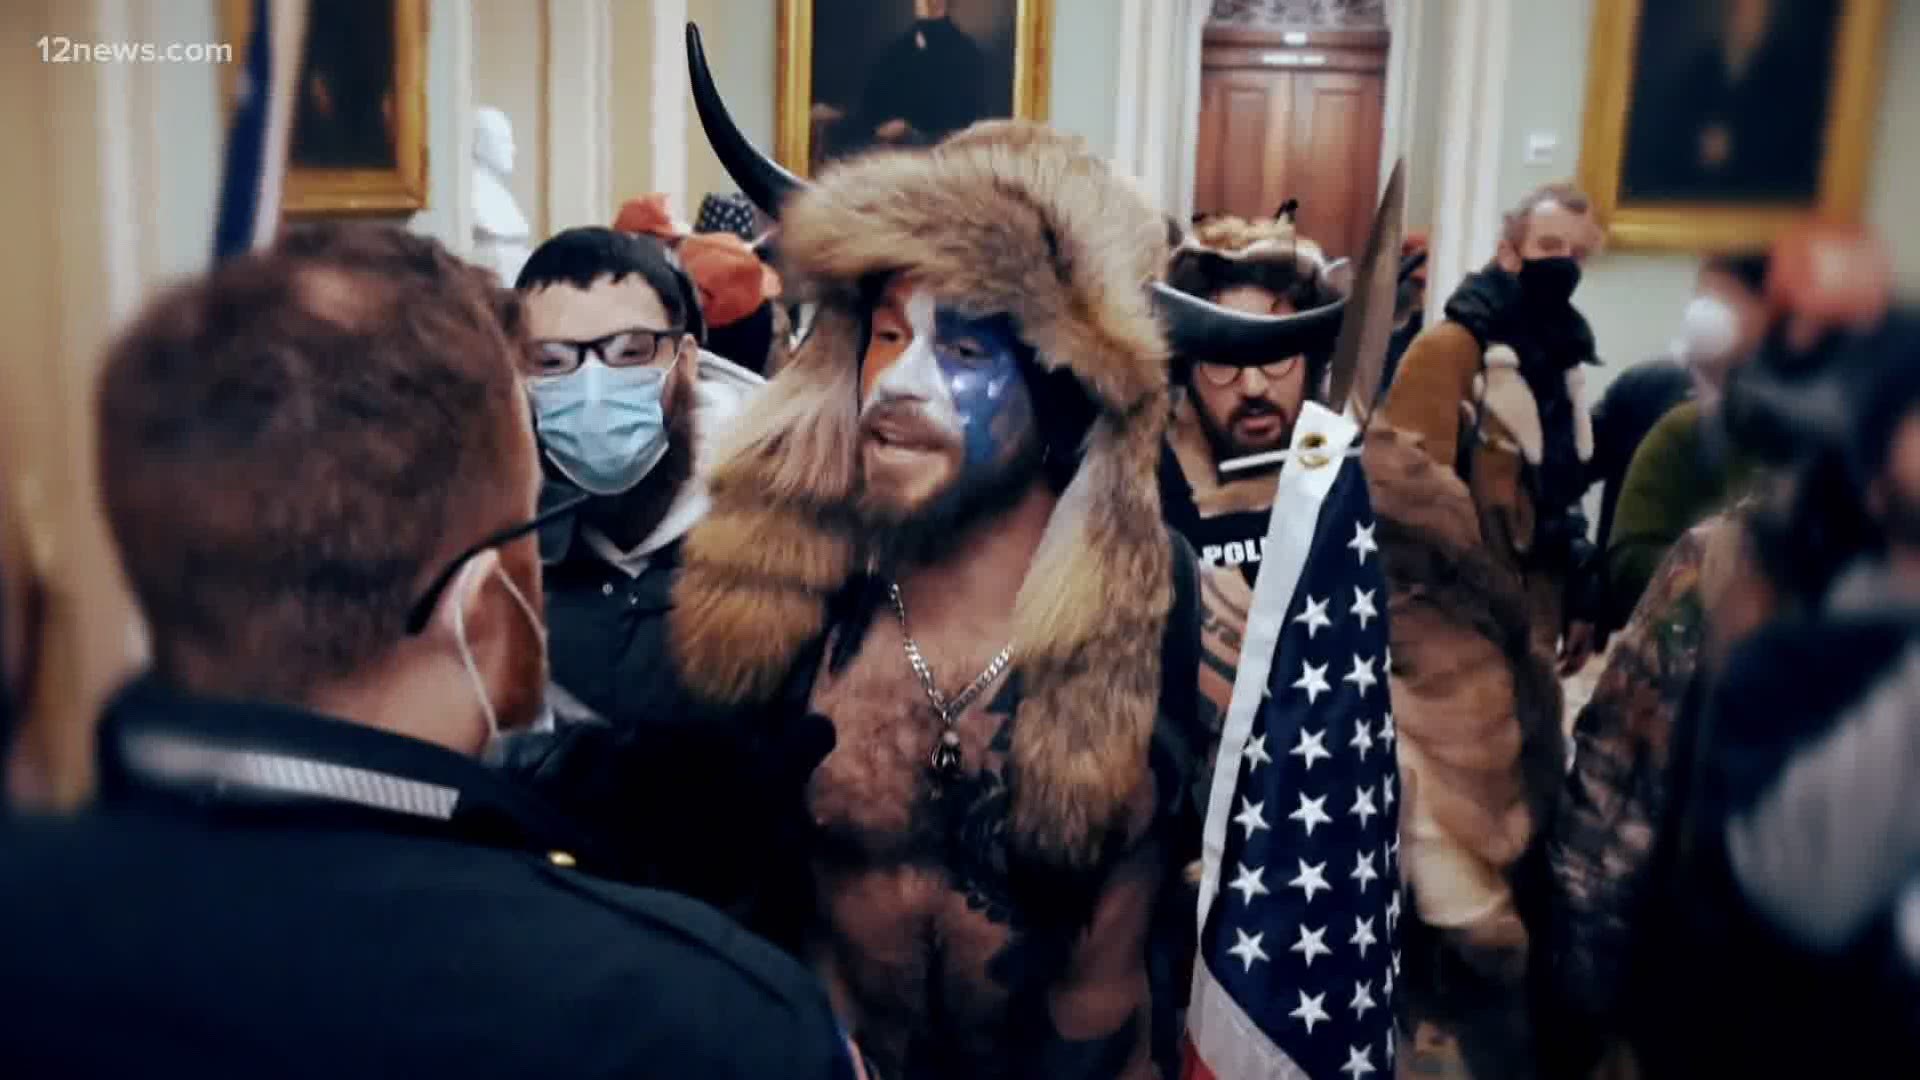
column 1549, row 281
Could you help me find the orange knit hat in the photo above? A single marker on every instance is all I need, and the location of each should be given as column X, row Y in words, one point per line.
column 732, row 281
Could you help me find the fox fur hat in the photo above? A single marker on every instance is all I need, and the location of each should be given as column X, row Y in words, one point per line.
column 1222, row 251
column 1004, row 217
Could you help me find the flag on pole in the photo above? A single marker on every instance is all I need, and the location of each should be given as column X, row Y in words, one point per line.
column 261, row 129
column 1300, row 899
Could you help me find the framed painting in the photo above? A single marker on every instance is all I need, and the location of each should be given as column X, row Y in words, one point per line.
column 1710, row 125
column 359, row 142
column 861, row 73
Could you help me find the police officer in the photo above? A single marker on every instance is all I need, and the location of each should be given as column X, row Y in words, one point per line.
column 319, row 470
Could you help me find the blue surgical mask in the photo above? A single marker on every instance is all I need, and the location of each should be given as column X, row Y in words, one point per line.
column 603, row 427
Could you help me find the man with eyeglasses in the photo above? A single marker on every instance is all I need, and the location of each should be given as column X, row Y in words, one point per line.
column 623, row 398
column 1263, row 268
column 317, row 463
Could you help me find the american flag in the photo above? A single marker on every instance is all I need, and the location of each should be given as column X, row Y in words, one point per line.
column 1300, row 899
column 261, row 130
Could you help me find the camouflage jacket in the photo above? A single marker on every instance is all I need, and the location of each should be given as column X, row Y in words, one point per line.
column 1601, row 840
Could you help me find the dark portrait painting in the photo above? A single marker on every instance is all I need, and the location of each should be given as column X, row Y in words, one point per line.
column 344, row 118
column 1730, row 101
column 1713, row 124
column 359, row 140
column 903, row 72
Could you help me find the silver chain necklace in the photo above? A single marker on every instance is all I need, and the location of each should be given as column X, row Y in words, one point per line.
column 946, row 752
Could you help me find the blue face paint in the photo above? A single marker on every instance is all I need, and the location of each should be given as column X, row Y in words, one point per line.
column 979, row 361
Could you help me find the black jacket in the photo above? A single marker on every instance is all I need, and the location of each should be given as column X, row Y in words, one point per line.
column 607, row 634
column 266, row 892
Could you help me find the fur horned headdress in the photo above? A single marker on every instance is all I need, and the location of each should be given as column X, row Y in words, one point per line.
column 1004, row 217
column 1222, row 251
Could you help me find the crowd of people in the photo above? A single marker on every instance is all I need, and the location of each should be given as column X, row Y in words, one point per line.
column 543, row 682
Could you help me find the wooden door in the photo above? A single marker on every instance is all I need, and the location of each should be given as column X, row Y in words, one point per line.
column 1293, row 116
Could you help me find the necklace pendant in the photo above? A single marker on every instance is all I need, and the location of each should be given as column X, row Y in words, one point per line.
column 946, row 755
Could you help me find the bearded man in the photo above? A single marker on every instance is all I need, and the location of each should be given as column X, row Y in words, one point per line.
column 940, row 529
column 1234, row 410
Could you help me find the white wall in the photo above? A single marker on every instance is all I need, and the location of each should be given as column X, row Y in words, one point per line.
column 509, row 73
column 449, row 124
column 1085, row 75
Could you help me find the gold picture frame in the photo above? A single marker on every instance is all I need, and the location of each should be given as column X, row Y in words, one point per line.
column 396, row 186
column 794, row 142
column 1710, row 225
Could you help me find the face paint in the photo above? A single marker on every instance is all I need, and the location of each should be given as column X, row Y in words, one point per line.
column 941, row 385
column 963, row 372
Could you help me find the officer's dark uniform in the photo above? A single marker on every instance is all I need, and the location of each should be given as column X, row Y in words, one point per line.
column 267, row 892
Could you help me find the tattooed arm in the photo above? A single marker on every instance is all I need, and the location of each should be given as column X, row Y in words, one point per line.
column 1225, row 600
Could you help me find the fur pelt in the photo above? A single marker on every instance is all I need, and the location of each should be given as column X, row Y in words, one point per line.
column 1223, row 251
column 1503, row 391
column 1479, row 707
column 1004, row 217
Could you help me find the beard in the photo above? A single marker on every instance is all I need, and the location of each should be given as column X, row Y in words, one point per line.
column 1227, row 447
column 898, row 533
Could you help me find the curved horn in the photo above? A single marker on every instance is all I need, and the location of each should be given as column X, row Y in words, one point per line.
column 1198, row 330
column 760, row 177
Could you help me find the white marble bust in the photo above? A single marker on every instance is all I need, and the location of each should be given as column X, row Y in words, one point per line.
column 500, row 231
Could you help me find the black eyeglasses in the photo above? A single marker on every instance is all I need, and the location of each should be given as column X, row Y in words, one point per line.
column 1225, row 375
column 634, row 347
column 422, row 610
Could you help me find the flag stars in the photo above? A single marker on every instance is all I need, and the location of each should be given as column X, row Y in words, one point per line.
column 1310, row 879
column 1363, row 871
column 1315, row 617
column 1362, row 1000
column 1386, row 793
column 1363, row 807
column 1312, row 1010
column 1362, row 738
column 1255, row 753
column 1252, row 816
column 1362, row 543
column 1312, row 812
column 1313, row 680
column 1393, row 911
column 1363, row 936
column 1313, row 745
column 1359, row 1062
column 1362, row 676
column 1246, row 948
column 1312, row 943
column 1250, row 884
column 1363, row 606
column 1386, row 730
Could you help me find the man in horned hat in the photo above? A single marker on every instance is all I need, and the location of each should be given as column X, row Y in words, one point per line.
column 940, row 529
column 1228, row 410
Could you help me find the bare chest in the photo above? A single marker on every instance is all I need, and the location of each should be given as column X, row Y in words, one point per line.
column 879, row 798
